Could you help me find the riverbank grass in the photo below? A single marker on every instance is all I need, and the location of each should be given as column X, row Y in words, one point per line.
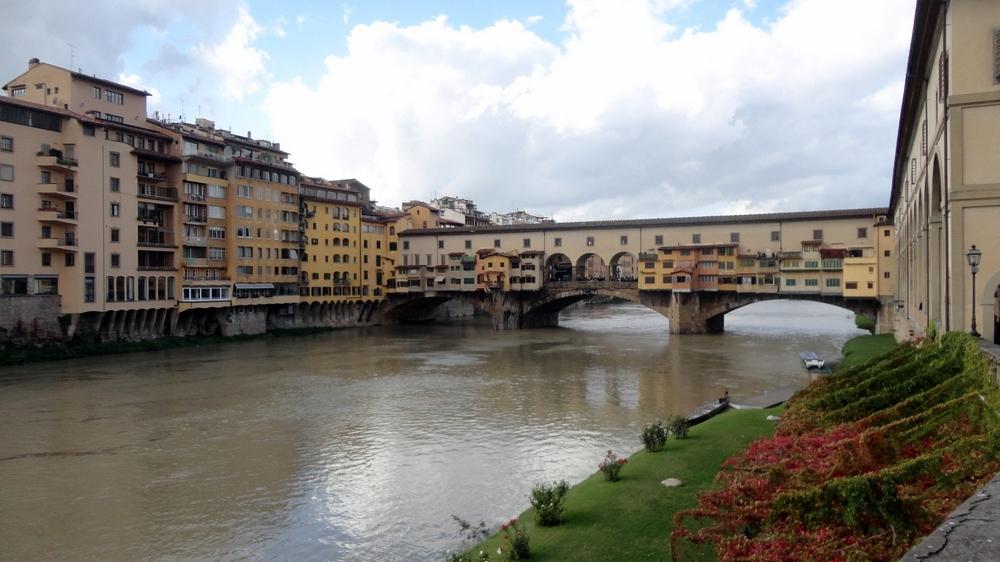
column 631, row 519
column 862, row 348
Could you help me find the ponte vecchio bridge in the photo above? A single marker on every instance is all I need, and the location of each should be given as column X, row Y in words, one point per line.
column 691, row 270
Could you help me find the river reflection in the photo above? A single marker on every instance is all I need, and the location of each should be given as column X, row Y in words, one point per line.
column 355, row 445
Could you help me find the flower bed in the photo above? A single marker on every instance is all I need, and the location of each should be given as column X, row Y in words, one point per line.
column 862, row 464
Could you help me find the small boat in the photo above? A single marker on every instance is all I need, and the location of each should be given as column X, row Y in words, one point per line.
column 811, row 360
column 708, row 410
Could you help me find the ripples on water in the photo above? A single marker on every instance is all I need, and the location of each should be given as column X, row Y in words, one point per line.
column 356, row 445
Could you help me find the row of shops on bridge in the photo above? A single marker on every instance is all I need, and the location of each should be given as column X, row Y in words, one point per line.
column 814, row 268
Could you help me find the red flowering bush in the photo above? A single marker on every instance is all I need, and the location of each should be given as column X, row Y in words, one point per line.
column 863, row 463
column 611, row 466
column 515, row 541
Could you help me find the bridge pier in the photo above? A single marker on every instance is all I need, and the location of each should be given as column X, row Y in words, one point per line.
column 687, row 315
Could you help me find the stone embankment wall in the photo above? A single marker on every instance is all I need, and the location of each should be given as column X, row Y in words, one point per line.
column 28, row 319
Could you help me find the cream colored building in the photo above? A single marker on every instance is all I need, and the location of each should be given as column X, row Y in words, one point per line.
column 88, row 200
column 727, row 253
column 946, row 179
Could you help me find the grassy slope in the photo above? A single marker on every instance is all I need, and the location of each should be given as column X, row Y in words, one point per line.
column 862, row 348
column 631, row 519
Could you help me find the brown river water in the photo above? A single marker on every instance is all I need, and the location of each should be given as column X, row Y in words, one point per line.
column 356, row 444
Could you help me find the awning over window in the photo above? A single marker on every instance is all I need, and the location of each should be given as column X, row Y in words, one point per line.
column 254, row 286
column 439, row 279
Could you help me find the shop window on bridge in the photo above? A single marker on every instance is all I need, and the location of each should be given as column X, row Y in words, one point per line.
column 789, row 282
column 666, row 279
column 652, row 280
column 668, row 263
column 812, row 264
column 833, row 282
column 812, row 283
column 852, row 285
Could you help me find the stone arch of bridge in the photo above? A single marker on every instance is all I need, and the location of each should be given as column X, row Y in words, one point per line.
column 558, row 267
column 591, row 266
column 714, row 309
column 623, row 267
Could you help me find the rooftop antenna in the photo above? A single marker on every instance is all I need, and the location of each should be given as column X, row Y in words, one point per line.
column 72, row 55
column 182, row 107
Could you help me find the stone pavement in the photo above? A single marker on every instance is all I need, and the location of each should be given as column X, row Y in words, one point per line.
column 971, row 533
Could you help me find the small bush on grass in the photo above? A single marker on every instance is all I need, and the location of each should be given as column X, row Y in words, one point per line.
column 611, row 466
column 654, row 436
column 515, row 541
column 549, row 501
column 471, row 534
column 679, row 427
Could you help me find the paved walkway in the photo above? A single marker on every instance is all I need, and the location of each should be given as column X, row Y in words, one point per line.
column 971, row 533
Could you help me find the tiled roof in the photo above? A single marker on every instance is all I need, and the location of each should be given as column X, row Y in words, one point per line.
column 664, row 222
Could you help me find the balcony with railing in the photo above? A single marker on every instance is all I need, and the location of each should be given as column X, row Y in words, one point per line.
column 151, row 175
column 65, row 190
column 155, row 261
column 150, row 216
column 195, row 218
column 56, row 215
column 66, row 243
column 195, row 241
column 156, row 238
column 155, row 192
column 53, row 159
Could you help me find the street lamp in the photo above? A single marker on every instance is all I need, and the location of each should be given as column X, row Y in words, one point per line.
column 973, row 256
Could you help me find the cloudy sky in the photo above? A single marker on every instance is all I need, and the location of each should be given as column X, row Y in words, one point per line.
column 583, row 109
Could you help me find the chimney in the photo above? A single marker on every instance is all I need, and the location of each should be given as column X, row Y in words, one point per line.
column 249, row 136
column 32, row 62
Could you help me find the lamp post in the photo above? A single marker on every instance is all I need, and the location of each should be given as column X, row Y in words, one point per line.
column 973, row 256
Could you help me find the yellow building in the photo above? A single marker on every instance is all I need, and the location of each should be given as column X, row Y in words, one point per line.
column 264, row 203
column 332, row 267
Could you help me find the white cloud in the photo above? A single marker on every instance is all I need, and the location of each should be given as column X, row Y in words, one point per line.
column 345, row 13
column 532, row 20
column 301, row 19
column 750, row 4
column 133, row 80
column 235, row 60
column 628, row 116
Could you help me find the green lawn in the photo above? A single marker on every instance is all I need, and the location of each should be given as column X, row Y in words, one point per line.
column 862, row 348
column 632, row 519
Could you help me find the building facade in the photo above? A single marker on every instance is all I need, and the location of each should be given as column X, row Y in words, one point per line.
column 946, row 179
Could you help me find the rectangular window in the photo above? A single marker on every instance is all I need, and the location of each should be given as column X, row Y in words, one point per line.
column 468, row 245
column 244, row 191
column 885, row 275
column 832, row 282
column 216, row 212
column 775, row 235
column 69, row 259
column 6, row 201
column 114, row 159
column 88, row 262
column 590, row 240
column 97, row 93
column 6, row 172
column 851, row 285
column 658, row 240
column 862, row 233
column 527, row 242
column 496, row 243
column 17, row 92
column 812, row 283
column 734, row 237
column 116, row 209
column 812, row 264
column 114, row 118
column 115, row 185
column 557, row 242
column 217, row 232
column 696, row 238
column 89, row 292
column 887, row 253
column 217, row 191
column 789, row 282
column 116, row 260
column 6, row 258
column 6, row 144
column 817, row 234
column 623, row 240
column 115, row 235
column 6, row 229
column 114, row 97
column 46, row 259
column 440, row 244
